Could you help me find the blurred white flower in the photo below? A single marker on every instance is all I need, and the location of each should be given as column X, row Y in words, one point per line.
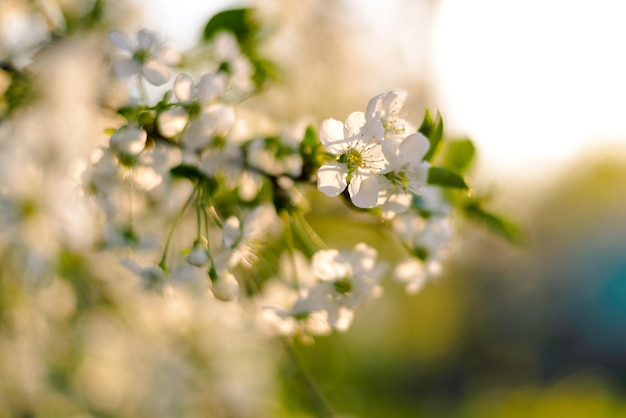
column 201, row 116
column 414, row 273
column 346, row 281
column 149, row 57
column 430, row 235
column 152, row 278
column 233, row 62
column 244, row 239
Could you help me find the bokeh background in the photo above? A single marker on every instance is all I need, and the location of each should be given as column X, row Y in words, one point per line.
column 530, row 330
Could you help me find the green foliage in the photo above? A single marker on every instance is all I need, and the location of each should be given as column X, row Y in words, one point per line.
column 85, row 19
column 458, row 155
column 21, row 90
column 240, row 22
column 433, row 130
column 310, row 152
column 246, row 29
column 190, row 172
column 499, row 225
column 443, row 177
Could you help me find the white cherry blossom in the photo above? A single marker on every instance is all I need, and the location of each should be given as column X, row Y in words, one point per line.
column 362, row 156
column 408, row 177
column 388, row 108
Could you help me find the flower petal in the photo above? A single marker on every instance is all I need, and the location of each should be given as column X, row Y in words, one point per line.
column 168, row 55
column 231, row 231
column 146, row 39
column 413, row 148
column 418, row 176
column 210, row 87
column 219, row 118
column 363, row 189
column 184, row 88
column 393, row 101
column 326, row 267
column 156, row 72
column 332, row 136
column 373, row 107
column 332, row 178
column 121, row 41
column 126, row 67
column 172, row 122
column 412, row 273
column 354, row 123
column 373, row 130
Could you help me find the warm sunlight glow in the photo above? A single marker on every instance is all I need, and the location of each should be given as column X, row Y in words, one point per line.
column 534, row 83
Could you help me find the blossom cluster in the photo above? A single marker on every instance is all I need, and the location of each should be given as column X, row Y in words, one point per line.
column 193, row 151
column 379, row 155
column 153, row 221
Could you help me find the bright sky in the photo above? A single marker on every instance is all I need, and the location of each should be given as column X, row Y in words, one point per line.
column 533, row 82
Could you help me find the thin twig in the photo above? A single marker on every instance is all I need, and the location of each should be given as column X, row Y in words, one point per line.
column 320, row 404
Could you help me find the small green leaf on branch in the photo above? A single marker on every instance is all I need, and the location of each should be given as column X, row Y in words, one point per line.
column 443, row 177
column 458, row 155
column 433, row 130
column 495, row 223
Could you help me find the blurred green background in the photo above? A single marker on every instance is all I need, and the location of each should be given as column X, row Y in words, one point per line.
column 507, row 331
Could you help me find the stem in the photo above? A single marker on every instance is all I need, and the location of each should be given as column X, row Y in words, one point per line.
column 163, row 262
column 130, row 197
column 204, row 202
column 307, row 233
column 291, row 246
column 141, row 89
column 199, row 220
column 216, row 217
column 319, row 402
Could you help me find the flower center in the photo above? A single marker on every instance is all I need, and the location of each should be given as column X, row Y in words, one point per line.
column 399, row 178
column 194, row 109
column 354, row 159
column 141, row 56
column 343, row 286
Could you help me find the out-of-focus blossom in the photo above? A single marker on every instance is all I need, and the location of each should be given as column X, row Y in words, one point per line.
column 233, row 62
column 346, row 281
column 148, row 57
column 152, row 278
column 243, row 239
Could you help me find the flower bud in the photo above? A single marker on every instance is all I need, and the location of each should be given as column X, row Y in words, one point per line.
column 198, row 256
column 225, row 288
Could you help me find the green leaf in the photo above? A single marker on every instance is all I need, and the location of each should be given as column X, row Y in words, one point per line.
column 263, row 70
column 128, row 112
column 459, row 154
column 496, row 224
column 433, row 130
column 188, row 171
column 441, row 176
column 310, row 142
column 238, row 21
